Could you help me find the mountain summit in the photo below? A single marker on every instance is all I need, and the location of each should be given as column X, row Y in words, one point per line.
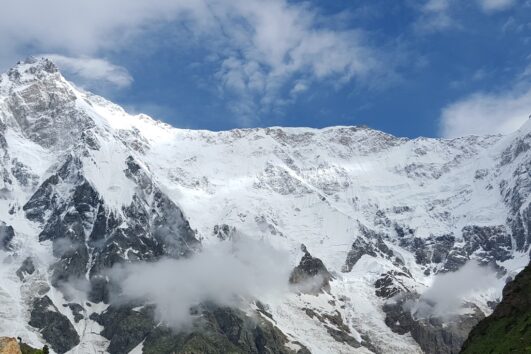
column 86, row 187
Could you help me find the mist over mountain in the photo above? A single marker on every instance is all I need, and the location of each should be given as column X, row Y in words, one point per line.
column 122, row 234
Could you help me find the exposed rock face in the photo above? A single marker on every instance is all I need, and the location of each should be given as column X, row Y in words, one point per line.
column 335, row 327
column 311, row 274
column 508, row 328
column 77, row 311
column 391, row 284
column 6, row 236
column 493, row 242
column 369, row 243
column 104, row 187
column 9, row 346
column 54, row 327
column 359, row 248
column 219, row 330
column 27, row 268
column 434, row 335
column 82, row 227
column 126, row 327
column 45, row 106
column 224, row 231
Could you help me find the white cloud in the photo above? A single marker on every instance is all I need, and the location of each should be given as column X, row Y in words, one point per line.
column 495, row 5
column 436, row 16
column 447, row 294
column 227, row 273
column 263, row 47
column 275, row 42
column 444, row 15
column 80, row 27
column 92, row 70
column 487, row 113
column 298, row 88
column 436, row 5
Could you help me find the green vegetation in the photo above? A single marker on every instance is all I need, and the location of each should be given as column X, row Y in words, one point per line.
column 165, row 341
column 506, row 335
column 26, row 349
column 508, row 329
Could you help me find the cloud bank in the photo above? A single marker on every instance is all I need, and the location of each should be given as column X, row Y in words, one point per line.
column 259, row 48
column 486, row 113
column 226, row 273
column 446, row 295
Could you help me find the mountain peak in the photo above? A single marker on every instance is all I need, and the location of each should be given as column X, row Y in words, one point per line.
column 33, row 65
column 32, row 69
column 34, row 91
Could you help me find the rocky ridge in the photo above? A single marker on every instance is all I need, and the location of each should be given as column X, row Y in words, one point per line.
column 85, row 186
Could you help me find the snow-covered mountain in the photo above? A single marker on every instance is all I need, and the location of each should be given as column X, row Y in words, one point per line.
column 85, row 185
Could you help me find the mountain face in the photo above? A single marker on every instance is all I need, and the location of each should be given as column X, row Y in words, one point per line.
column 85, row 187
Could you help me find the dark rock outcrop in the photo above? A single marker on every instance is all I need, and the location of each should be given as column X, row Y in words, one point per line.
column 456, row 258
column 126, row 327
column 335, row 327
column 6, row 236
column 26, row 268
column 54, row 327
column 81, row 226
column 390, row 284
column 433, row 334
column 99, row 289
column 359, row 248
column 491, row 242
column 224, row 231
column 310, row 275
column 369, row 243
column 216, row 330
column 77, row 311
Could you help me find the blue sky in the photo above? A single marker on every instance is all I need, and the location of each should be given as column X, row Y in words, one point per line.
column 407, row 67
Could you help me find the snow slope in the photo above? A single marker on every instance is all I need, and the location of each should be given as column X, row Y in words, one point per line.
column 321, row 187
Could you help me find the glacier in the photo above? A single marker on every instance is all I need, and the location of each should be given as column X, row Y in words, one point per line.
column 85, row 185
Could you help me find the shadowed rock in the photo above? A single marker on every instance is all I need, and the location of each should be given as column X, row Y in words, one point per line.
column 434, row 335
column 311, row 275
column 216, row 330
column 54, row 327
column 6, row 236
column 27, row 268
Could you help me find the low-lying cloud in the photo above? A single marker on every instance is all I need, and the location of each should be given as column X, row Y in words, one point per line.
column 446, row 295
column 225, row 273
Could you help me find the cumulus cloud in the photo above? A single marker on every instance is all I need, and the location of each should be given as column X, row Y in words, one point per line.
column 78, row 27
column 91, row 71
column 226, row 274
column 487, row 113
column 276, row 44
column 446, row 295
column 261, row 47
